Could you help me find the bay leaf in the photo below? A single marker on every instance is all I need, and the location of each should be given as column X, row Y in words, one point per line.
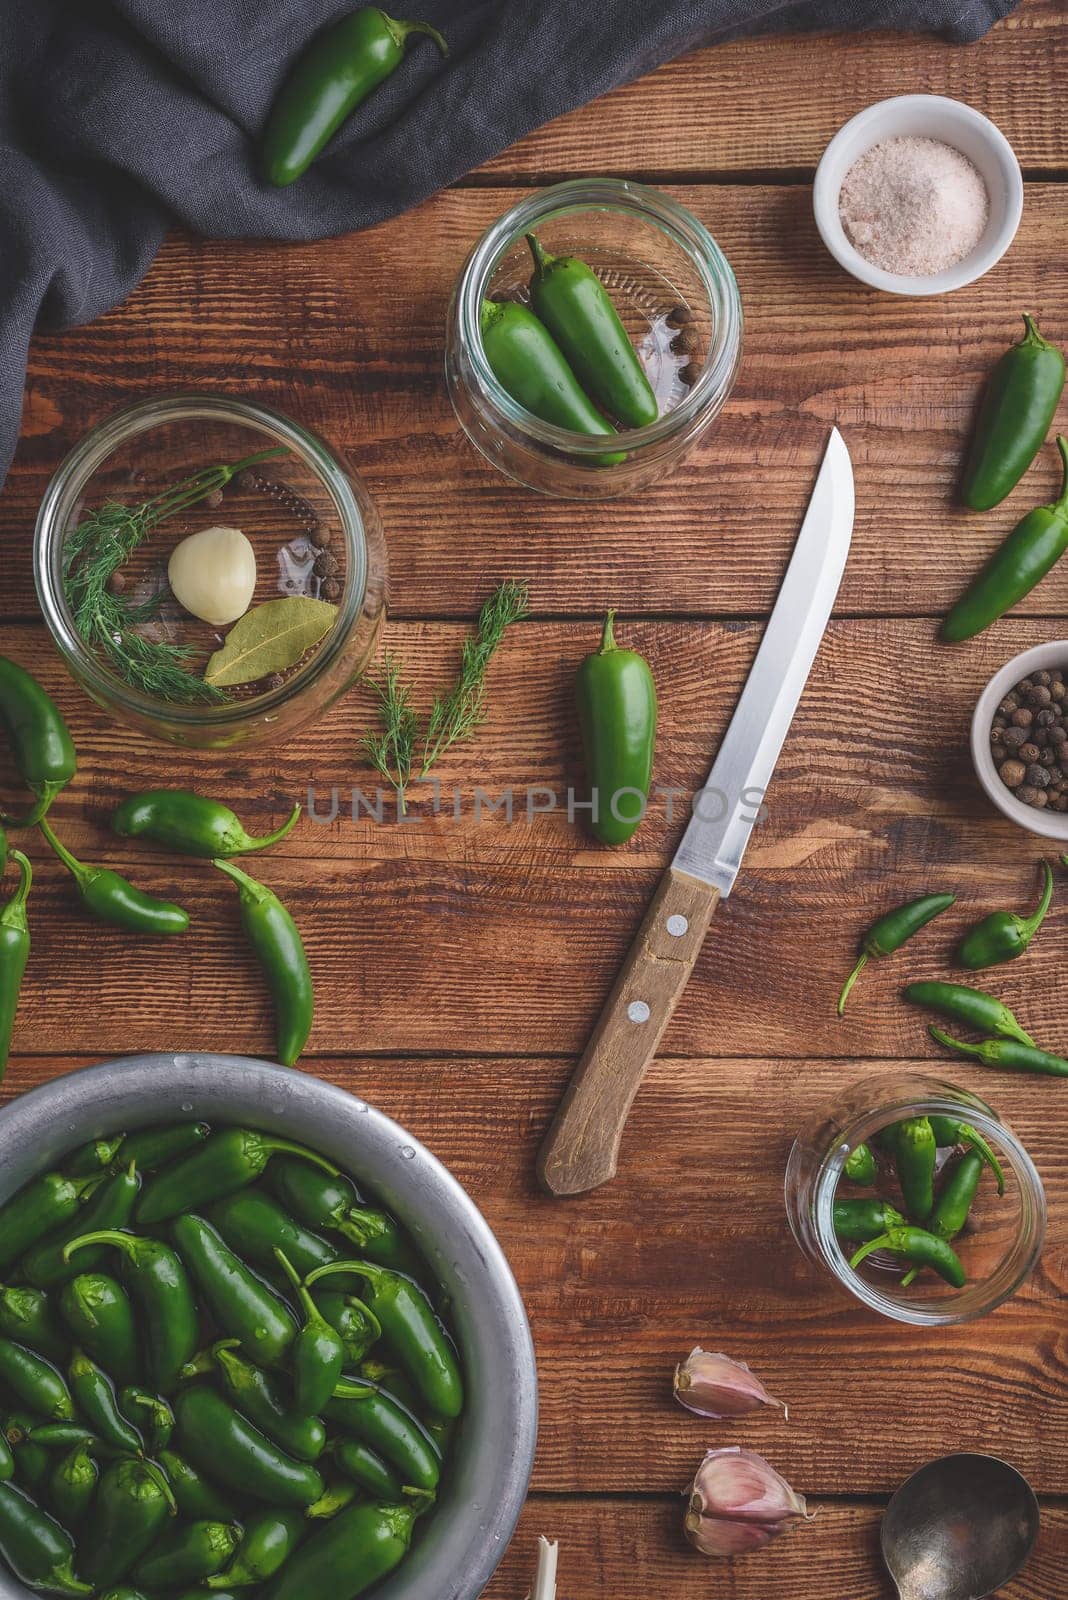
column 271, row 637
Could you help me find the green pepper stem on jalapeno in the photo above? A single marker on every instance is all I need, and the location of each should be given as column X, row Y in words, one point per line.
column 1003, row 935
column 279, row 948
column 269, row 1540
column 893, row 930
column 318, row 1353
column 42, row 746
column 1006, row 1053
column 98, row 1312
column 190, row 1554
column 268, row 1404
column 919, row 1247
column 976, row 1009
column 1019, row 403
column 14, row 954
column 113, row 898
column 192, row 824
column 616, row 696
column 951, row 1130
column 860, row 1166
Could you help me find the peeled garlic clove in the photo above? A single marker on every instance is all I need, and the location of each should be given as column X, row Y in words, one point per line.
column 213, row 575
column 714, row 1537
column 740, row 1486
column 715, row 1386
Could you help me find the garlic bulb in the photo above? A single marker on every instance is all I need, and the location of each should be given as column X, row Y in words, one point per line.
column 213, row 574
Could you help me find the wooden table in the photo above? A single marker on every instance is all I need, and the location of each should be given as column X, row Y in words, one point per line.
column 460, row 966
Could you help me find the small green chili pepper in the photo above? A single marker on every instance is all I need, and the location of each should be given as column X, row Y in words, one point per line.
column 267, row 1404
column 864, row 1219
column 892, row 931
column 14, row 954
column 318, row 1353
column 27, row 1316
column 413, row 1331
column 191, row 824
column 94, row 1393
column 366, row 1411
column 269, row 1541
column 339, row 69
column 972, row 1007
column 130, row 1511
column 160, row 1286
column 230, row 1160
column 616, row 696
column 1007, row 1053
column 65, row 1435
column 366, row 1468
column 915, row 1154
column 46, row 1203
column 113, row 899
column 198, row 1498
column 33, row 1462
column 238, row 1300
column 217, row 1439
column 256, row 1226
column 954, row 1203
column 529, row 364
column 72, row 1486
column 919, row 1247
column 98, row 1312
column 279, row 948
column 150, row 1415
column 150, row 1148
column 860, row 1165
column 950, row 1130
column 1003, row 935
column 48, row 1266
column 320, row 1201
column 43, row 749
column 188, row 1555
column 1021, row 397
column 578, row 311
column 35, row 1382
column 348, row 1554
column 35, row 1547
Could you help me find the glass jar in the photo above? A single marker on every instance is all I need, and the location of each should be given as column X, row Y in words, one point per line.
column 678, row 300
column 998, row 1253
column 128, row 457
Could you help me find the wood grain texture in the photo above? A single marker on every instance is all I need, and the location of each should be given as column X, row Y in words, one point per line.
column 749, row 105
column 348, row 336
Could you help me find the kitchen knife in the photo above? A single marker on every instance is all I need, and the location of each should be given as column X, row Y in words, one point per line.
column 581, row 1148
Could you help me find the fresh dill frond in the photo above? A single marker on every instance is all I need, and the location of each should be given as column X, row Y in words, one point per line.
column 392, row 751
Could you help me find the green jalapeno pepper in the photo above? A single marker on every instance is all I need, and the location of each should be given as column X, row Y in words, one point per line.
column 1033, row 547
column 366, row 1411
column 191, row 824
column 161, row 1289
column 230, row 1160
column 921, row 1248
column 188, row 1555
column 892, row 931
column 616, row 697
column 915, row 1154
column 1021, row 397
column 367, row 1469
column 279, row 949
column 529, row 364
column 270, row 1539
column 951, row 1130
column 150, row 1415
column 1003, row 935
column 65, row 1435
column 98, row 1312
column 72, row 1486
column 95, row 1156
column 219, row 1441
column 336, row 73
column 114, row 899
column 266, row 1404
column 359, row 1328
column 95, row 1396
column 954, row 1203
column 198, row 1498
column 864, row 1219
column 35, row 1382
column 983, row 1012
column 860, row 1166
column 47, row 1265
column 14, row 954
column 318, row 1353
column 33, row 1462
column 240, row 1302
column 411, row 1326
column 321, row 1201
column 255, row 1226
column 26, row 1315
column 38, row 1208
column 1007, row 1053
column 578, row 311
column 35, row 1547
column 43, row 749
column 348, row 1554
column 132, row 1505
column 150, row 1148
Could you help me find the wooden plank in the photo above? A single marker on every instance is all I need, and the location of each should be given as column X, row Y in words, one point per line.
column 690, row 1246
column 348, row 336
column 631, row 1550
column 748, row 105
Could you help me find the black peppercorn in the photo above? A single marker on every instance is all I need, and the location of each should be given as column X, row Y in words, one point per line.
column 1037, row 775
column 331, row 589
column 275, row 681
column 679, row 316
column 1010, row 704
column 1029, row 752
column 321, row 537
column 1015, row 737
column 1030, row 795
column 1045, row 718
column 117, row 582
column 1039, row 696
column 1042, row 679
column 1058, row 734
column 214, row 498
column 1023, row 717
column 326, row 565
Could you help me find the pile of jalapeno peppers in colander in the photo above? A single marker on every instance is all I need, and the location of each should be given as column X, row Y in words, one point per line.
column 255, row 1397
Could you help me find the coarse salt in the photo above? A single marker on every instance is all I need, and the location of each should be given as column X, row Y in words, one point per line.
column 914, row 206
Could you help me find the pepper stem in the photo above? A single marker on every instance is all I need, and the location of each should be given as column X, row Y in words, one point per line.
column 963, row 1045
column 361, row 1269
column 608, row 636
column 1032, row 336
column 542, row 258
column 14, row 913
column 273, row 838
column 982, row 1148
column 30, row 819
column 311, row 1310
column 127, row 1242
column 881, row 1243
column 245, row 882
column 76, row 868
column 847, row 987
column 1030, row 925
column 285, row 1147
column 399, row 32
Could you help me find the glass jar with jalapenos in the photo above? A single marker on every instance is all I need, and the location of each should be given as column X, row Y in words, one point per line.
column 919, row 1212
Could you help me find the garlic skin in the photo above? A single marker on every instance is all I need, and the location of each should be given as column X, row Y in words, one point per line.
column 715, row 1386
column 738, row 1503
column 213, row 575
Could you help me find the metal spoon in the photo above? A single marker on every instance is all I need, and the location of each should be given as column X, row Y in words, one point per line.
column 959, row 1529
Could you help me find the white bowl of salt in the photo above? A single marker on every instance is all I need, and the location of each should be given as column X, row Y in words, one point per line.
column 918, row 195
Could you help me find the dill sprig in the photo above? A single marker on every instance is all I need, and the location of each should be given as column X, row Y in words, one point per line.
column 455, row 715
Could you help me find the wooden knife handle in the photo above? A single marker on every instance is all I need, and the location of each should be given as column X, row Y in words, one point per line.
column 581, row 1148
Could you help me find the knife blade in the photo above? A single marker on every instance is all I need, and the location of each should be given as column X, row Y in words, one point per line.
column 581, row 1149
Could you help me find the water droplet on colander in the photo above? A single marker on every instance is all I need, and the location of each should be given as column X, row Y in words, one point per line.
column 407, row 1152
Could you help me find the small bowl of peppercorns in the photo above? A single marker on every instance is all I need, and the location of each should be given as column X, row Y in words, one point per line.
column 1020, row 739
